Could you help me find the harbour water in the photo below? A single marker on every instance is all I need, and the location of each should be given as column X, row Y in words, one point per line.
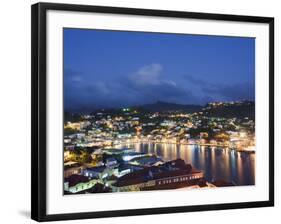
column 217, row 163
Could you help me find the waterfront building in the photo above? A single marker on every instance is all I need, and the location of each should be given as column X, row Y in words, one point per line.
column 99, row 172
column 132, row 155
column 171, row 175
column 66, row 155
column 66, row 140
column 80, row 135
column 69, row 147
column 148, row 160
column 78, row 183
column 71, row 168
column 124, row 169
column 74, row 126
column 111, row 162
column 114, row 151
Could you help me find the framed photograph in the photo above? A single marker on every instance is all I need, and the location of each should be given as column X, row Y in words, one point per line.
column 140, row 111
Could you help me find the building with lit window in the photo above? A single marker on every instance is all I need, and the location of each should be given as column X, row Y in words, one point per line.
column 171, row 175
column 71, row 168
column 78, row 183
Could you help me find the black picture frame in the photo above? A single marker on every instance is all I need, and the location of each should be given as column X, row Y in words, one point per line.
column 38, row 108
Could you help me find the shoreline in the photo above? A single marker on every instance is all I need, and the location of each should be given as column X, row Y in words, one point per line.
column 198, row 144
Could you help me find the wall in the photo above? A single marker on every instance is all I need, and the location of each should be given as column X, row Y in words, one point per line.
column 15, row 109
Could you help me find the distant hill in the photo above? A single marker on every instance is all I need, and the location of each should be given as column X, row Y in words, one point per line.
column 227, row 110
column 161, row 106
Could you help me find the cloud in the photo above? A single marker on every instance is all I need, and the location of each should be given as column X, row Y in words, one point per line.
column 230, row 91
column 151, row 85
column 76, row 78
column 147, row 75
column 196, row 81
column 235, row 91
column 147, row 84
column 83, row 93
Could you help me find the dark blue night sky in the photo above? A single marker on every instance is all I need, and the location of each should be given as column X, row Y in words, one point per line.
column 107, row 69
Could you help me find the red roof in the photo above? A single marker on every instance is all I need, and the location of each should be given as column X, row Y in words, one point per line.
column 178, row 168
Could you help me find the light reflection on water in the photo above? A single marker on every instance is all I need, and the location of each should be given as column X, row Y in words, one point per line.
column 217, row 163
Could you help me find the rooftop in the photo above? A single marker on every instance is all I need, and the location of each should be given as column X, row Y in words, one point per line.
column 156, row 172
column 76, row 179
column 97, row 169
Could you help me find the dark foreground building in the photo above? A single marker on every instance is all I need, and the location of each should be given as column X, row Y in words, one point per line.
column 171, row 175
